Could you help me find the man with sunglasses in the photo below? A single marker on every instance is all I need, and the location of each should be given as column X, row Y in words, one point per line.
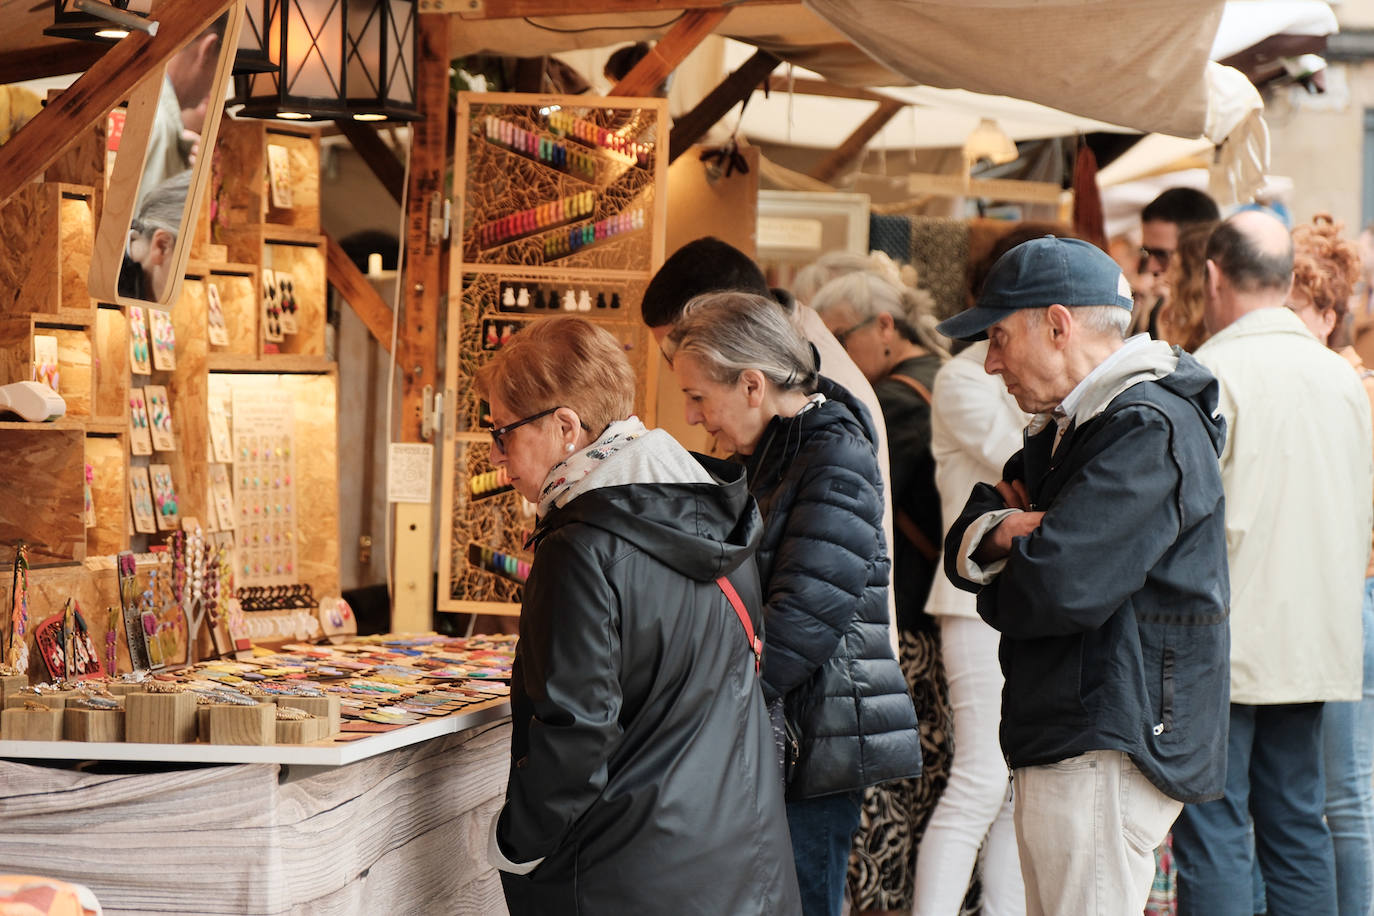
column 1160, row 223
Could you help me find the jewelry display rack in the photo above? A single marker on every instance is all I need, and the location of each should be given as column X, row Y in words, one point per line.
column 560, row 212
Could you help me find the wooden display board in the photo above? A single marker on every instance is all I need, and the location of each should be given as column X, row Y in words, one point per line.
column 560, row 212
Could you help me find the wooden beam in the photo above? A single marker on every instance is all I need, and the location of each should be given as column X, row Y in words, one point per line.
column 49, row 60
column 854, row 144
column 516, row 9
column 807, row 86
column 361, row 296
column 370, row 146
column 99, row 89
column 736, row 87
column 422, row 276
column 671, row 49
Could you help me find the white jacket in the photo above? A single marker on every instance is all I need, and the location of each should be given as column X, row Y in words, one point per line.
column 1297, row 472
column 975, row 426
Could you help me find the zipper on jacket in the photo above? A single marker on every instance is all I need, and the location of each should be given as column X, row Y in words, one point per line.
column 1166, row 693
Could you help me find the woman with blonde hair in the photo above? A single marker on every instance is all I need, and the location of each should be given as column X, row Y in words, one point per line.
column 1326, row 266
column 1179, row 320
column 841, row 711
column 643, row 775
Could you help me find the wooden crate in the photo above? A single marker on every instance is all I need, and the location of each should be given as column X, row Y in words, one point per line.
column 106, row 454
column 111, row 397
column 47, row 232
column 240, row 300
column 302, row 253
column 247, row 198
column 45, row 472
column 75, row 360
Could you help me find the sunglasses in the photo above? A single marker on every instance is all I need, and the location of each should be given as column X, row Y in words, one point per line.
column 842, row 336
column 1161, row 255
column 498, row 433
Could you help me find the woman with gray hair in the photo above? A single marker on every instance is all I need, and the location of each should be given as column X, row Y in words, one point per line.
column 888, row 330
column 836, row 694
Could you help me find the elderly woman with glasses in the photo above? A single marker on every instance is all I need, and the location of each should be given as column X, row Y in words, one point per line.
column 148, row 256
column 842, row 711
column 642, row 774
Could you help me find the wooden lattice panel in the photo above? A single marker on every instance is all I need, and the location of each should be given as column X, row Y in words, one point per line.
column 560, row 213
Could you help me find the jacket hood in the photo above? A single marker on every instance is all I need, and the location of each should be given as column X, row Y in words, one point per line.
column 701, row 530
column 1195, row 384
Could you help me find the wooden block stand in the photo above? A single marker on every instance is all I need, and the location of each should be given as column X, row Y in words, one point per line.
column 326, row 709
column 160, row 718
column 243, row 724
column 93, row 724
column 301, row 731
column 20, row 724
column 56, row 699
column 11, row 683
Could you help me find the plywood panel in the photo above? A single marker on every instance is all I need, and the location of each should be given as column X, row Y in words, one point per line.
column 306, row 265
column 77, row 218
column 238, row 293
column 45, row 471
column 109, row 491
column 317, row 479
column 246, row 199
column 75, row 362
column 303, row 155
column 31, row 242
column 111, row 365
column 187, row 390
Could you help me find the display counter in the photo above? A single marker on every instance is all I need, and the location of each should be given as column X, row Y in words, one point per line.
column 391, row 823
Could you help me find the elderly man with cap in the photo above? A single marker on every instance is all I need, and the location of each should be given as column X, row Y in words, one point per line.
column 1101, row 559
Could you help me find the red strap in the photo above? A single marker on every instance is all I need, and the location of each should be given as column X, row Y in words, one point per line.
column 755, row 644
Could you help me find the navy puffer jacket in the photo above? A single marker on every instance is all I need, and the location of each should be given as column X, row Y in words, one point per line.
column 825, row 572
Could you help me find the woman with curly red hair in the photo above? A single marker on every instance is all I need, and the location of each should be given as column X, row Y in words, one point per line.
column 1326, row 266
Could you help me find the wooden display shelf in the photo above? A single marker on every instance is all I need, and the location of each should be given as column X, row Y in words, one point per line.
column 75, row 361
column 106, row 453
column 302, row 254
column 47, row 231
column 247, row 198
column 239, row 296
column 271, row 362
column 111, row 398
column 45, row 474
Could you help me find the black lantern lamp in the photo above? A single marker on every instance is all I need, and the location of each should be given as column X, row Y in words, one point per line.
column 69, row 20
column 336, row 59
column 110, row 20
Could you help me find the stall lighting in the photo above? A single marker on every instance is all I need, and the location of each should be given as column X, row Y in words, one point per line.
column 989, row 142
column 336, row 59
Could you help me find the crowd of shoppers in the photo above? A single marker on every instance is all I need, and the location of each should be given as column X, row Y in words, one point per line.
column 1143, row 561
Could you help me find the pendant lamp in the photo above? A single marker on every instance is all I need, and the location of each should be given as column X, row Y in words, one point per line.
column 336, row 59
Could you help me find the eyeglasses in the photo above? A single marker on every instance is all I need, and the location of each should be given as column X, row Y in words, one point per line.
column 1161, row 255
column 498, row 433
column 842, row 336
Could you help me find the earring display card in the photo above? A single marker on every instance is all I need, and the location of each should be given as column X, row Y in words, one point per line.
column 286, row 295
column 138, row 341
column 271, row 307
column 264, row 490
column 222, row 496
column 279, row 176
column 221, row 445
column 140, row 439
column 160, row 418
column 164, row 496
column 164, row 340
column 217, row 330
column 45, row 361
column 141, row 500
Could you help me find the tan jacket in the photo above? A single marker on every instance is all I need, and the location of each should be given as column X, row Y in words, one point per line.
column 1297, row 469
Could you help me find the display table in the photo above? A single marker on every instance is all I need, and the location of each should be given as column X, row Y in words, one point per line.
column 392, row 823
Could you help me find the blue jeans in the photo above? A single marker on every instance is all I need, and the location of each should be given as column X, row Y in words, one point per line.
column 1348, row 741
column 1273, row 776
column 822, row 833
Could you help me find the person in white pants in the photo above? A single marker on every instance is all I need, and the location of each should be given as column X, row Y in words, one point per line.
column 975, row 427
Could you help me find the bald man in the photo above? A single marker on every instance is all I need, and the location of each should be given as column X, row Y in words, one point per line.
column 1296, row 471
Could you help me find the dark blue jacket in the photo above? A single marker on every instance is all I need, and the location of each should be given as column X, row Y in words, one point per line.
column 824, row 569
column 1113, row 613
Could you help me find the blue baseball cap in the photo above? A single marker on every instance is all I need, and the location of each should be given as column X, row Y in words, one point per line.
column 1038, row 274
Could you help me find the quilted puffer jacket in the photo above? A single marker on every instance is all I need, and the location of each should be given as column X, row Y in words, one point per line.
column 825, row 573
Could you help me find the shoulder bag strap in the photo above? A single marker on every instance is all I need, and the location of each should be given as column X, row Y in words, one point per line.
column 755, row 643
column 914, row 385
